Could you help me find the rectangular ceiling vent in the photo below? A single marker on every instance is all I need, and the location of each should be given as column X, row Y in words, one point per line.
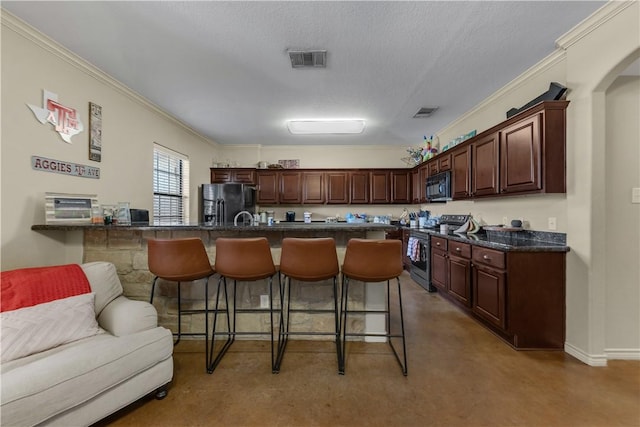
column 308, row 58
column 425, row 112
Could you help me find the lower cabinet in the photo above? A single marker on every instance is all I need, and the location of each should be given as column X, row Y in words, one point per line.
column 459, row 272
column 439, row 265
column 518, row 295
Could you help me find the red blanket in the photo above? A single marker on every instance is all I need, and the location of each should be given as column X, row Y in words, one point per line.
column 27, row 287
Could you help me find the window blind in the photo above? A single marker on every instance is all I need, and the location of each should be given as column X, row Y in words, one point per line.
column 170, row 187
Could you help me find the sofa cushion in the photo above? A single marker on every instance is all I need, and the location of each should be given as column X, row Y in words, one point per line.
column 104, row 281
column 39, row 386
column 38, row 328
column 27, row 287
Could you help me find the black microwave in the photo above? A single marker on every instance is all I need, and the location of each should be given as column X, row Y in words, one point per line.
column 438, row 187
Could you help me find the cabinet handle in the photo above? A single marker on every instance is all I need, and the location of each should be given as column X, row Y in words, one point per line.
column 486, row 257
column 438, row 244
column 458, row 249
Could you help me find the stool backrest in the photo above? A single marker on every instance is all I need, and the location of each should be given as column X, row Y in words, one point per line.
column 244, row 259
column 373, row 260
column 309, row 259
column 178, row 260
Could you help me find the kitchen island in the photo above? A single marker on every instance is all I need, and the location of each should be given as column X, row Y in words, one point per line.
column 126, row 247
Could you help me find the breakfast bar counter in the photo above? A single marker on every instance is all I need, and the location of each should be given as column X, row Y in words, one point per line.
column 126, row 247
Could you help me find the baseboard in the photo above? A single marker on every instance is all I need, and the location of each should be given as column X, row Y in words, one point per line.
column 589, row 359
column 622, row 353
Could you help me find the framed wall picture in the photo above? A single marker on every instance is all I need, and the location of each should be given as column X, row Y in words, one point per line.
column 95, row 134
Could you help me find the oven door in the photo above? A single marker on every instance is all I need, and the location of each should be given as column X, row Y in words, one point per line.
column 420, row 263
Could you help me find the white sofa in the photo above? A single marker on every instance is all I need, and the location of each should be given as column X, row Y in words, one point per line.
column 81, row 382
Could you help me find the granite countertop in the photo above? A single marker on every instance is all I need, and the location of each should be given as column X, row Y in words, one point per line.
column 282, row 226
column 509, row 241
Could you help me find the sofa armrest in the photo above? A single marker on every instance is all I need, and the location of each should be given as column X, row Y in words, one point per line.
column 123, row 316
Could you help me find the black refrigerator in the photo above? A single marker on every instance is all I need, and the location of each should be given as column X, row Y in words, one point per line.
column 219, row 203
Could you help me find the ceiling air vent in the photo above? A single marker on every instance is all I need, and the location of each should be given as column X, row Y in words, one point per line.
column 424, row 112
column 308, row 58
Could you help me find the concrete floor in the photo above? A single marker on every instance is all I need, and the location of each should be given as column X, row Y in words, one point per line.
column 460, row 374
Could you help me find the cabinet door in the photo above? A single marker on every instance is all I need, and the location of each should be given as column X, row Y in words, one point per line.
column 520, row 151
column 433, row 167
column 359, row 186
column 267, row 188
column 244, row 176
column 444, row 163
column 337, row 187
column 424, row 173
column 415, row 186
column 460, row 176
column 313, row 187
column 290, row 186
column 460, row 279
column 484, row 169
column 400, row 187
column 380, row 187
column 489, row 295
column 220, row 176
column 439, row 269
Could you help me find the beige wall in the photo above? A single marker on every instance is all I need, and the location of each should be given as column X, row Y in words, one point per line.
column 130, row 127
column 622, row 165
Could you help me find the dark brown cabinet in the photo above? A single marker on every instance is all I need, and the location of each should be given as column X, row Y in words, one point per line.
column 439, row 265
column 459, row 285
column 226, row 175
column 489, row 281
column 380, row 186
column 337, row 187
column 290, row 187
column 359, row 186
column 485, row 161
column 520, row 146
column 313, row 187
column 461, row 173
column 444, row 162
column 268, row 186
column 433, row 167
column 424, row 173
column 400, row 186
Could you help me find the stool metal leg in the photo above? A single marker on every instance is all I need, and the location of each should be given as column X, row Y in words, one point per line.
column 212, row 364
column 345, row 310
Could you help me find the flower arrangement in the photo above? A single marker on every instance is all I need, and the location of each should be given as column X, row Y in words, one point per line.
column 421, row 153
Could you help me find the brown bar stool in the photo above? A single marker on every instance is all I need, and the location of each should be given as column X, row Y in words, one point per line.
column 307, row 260
column 182, row 260
column 373, row 261
column 245, row 260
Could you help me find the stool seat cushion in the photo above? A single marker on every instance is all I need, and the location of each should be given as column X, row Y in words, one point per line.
column 373, row 260
column 244, row 259
column 309, row 259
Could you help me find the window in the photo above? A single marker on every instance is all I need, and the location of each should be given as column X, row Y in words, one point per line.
column 170, row 187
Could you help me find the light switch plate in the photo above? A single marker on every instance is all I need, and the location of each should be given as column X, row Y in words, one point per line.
column 552, row 223
column 264, row 301
column 635, row 195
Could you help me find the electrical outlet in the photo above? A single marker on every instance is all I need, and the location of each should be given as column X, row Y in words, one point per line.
column 264, row 301
column 505, row 221
column 551, row 225
column 635, row 195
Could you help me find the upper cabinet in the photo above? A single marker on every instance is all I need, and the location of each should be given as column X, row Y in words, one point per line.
column 337, row 187
column 461, row 172
column 313, row 187
column 225, row 175
column 359, row 184
column 290, row 187
column 268, row 187
column 485, row 165
column 380, row 188
column 401, row 186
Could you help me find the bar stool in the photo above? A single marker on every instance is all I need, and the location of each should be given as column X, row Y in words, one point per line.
column 373, row 261
column 182, row 260
column 307, row 260
column 244, row 259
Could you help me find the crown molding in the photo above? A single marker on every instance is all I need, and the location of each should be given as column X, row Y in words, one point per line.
column 549, row 61
column 593, row 22
column 15, row 24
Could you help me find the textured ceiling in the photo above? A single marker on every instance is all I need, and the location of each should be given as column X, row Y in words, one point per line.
column 222, row 67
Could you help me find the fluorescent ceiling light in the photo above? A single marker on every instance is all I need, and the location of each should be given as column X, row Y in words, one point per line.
column 306, row 127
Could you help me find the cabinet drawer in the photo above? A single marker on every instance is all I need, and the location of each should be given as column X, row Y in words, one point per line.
column 489, row 257
column 244, row 176
column 462, row 250
column 439, row 243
